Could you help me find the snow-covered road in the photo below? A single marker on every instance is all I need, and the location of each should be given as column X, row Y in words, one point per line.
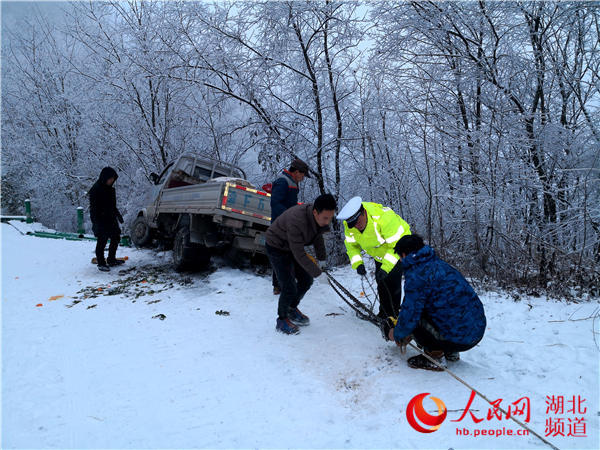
column 106, row 371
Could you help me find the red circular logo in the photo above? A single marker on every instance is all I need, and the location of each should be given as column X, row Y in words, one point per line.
column 415, row 411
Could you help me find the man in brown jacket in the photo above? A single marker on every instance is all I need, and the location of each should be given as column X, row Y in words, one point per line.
column 297, row 227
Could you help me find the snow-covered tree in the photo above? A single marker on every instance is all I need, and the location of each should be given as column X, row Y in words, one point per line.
column 478, row 122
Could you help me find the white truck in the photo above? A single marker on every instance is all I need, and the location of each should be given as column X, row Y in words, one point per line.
column 199, row 204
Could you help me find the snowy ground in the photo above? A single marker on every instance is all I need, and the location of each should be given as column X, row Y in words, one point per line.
column 106, row 371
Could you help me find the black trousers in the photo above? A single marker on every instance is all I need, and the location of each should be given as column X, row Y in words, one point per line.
column 275, row 282
column 103, row 237
column 390, row 292
column 293, row 279
column 427, row 336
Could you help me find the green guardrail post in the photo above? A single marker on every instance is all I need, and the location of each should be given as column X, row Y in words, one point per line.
column 80, row 229
column 28, row 211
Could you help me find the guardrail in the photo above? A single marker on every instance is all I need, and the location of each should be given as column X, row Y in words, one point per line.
column 78, row 236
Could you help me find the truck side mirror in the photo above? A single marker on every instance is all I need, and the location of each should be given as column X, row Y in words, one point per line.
column 154, row 178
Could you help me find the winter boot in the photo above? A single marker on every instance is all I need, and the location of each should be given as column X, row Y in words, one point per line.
column 452, row 356
column 286, row 326
column 103, row 267
column 297, row 318
column 114, row 262
column 420, row 362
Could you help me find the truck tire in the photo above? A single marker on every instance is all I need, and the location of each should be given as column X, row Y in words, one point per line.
column 141, row 234
column 188, row 256
column 182, row 249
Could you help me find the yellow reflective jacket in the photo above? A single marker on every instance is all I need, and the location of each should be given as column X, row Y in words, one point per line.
column 384, row 229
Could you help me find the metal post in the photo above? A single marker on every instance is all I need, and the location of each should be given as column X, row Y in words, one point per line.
column 28, row 211
column 80, row 229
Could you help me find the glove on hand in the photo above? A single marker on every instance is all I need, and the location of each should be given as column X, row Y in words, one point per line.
column 120, row 217
column 361, row 270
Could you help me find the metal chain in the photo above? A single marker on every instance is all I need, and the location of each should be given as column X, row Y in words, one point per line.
column 371, row 302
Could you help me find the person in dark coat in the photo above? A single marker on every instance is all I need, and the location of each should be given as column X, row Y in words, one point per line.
column 284, row 195
column 441, row 311
column 299, row 226
column 284, row 191
column 105, row 217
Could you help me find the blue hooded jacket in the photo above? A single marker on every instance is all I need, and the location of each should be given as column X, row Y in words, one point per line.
column 435, row 288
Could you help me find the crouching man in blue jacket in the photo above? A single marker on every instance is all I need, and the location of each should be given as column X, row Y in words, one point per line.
column 441, row 311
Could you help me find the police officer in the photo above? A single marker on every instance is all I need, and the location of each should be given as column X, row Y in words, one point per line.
column 376, row 229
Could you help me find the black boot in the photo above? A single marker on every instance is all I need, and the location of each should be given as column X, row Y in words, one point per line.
column 421, row 362
column 103, row 267
column 452, row 356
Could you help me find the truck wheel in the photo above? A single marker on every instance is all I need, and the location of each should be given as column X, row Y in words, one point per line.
column 188, row 256
column 140, row 232
column 181, row 249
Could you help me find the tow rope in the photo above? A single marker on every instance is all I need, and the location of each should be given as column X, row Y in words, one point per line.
column 364, row 312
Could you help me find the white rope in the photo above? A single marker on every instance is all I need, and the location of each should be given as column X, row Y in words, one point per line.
column 481, row 395
column 445, row 369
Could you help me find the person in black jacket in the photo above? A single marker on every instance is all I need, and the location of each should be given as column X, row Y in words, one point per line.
column 104, row 215
column 284, row 195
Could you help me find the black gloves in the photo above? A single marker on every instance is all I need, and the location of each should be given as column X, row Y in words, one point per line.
column 119, row 217
column 361, row 270
column 380, row 275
